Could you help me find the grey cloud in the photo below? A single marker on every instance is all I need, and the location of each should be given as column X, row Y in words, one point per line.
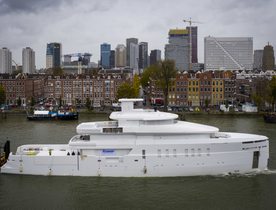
column 36, row 6
column 26, row 6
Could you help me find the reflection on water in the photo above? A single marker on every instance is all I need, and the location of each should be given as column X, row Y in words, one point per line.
column 43, row 192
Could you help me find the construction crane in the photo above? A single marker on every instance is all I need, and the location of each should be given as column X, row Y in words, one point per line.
column 16, row 65
column 81, row 58
column 78, row 55
column 190, row 39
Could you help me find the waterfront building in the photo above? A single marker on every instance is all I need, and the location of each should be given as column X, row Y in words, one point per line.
column 105, row 55
column 155, row 56
column 143, row 55
column 205, row 83
column 134, row 56
column 217, row 89
column 178, row 48
column 25, row 87
column 28, row 60
column 258, row 59
column 128, row 46
column 193, row 90
column 100, row 90
column 5, row 61
column 229, row 87
column 268, row 58
column 120, row 56
column 223, row 53
column 181, row 90
column 243, row 90
column 53, row 55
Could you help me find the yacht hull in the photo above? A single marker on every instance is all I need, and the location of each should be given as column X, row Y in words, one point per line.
column 141, row 160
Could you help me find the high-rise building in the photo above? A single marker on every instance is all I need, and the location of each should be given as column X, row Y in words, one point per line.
column 128, row 42
column 228, row 53
column 112, row 59
column 5, row 61
column 178, row 48
column 143, row 55
column 86, row 58
column 105, row 55
column 134, row 56
column 155, row 56
column 28, row 60
column 268, row 58
column 258, row 59
column 194, row 43
column 53, row 55
column 120, row 56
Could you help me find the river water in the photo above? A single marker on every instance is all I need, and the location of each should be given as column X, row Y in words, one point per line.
column 206, row 192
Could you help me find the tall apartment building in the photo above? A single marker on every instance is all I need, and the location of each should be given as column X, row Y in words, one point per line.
column 28, row 60
column 5, row 61
column 120, row 56
column 53, row 55
column 228, row 53
column 194, row 43
column 143, row 55
column 268, row 58
column 134, row 56
column 155, row 56
column 128, row 43
column 112, row 59
column 258, row 59
column 178, row 48
column 105, row 55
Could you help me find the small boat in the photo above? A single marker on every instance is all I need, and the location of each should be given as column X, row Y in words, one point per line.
column 143, row 143
column 53, row 115
column 4, row 153
column 270, row 117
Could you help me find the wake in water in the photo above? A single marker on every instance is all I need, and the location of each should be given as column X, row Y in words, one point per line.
column 269, row 171
column 251, row 174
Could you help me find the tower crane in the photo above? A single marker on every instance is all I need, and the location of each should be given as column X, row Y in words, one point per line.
column 190, row 39
column 81, row 57
column 16, row 65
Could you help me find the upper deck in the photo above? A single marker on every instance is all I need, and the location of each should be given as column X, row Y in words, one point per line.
column 131, row 120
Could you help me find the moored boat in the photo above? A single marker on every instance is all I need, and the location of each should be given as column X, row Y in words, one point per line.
column 270, row 117
column 143, row 143
column 52, row 115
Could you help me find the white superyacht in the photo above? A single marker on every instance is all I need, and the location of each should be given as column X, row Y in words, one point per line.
column 143, row 143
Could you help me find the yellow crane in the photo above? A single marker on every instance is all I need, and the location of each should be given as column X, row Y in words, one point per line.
column 190, row 39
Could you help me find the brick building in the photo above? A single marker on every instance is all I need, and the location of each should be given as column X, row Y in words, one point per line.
column 23, row 87
column 100, row 90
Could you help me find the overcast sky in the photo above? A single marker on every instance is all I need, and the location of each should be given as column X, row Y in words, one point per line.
column 81, row 26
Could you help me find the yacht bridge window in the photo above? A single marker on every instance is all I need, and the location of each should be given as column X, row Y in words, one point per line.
column 112, row 130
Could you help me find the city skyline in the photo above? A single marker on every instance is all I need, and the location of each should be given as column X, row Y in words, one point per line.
column 83, row 26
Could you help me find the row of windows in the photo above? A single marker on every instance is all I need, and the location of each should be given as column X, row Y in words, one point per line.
column 12, row 83
column 195, row 83
column 217, row 96
column 195, row 97
column 187, row 152
column 202, row 89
